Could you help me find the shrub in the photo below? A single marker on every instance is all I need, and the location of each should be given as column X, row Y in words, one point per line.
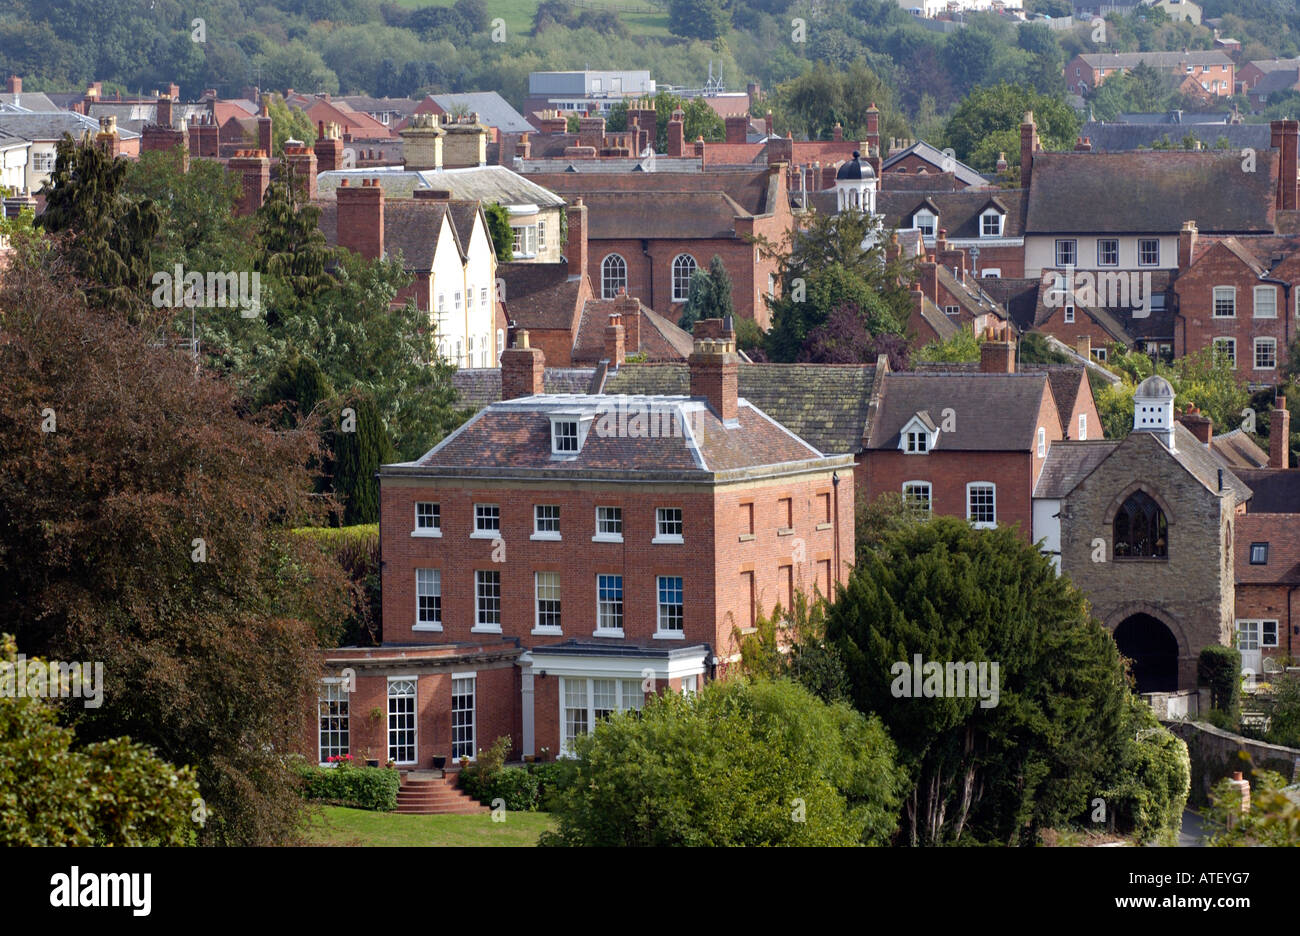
column 476, row 778
column 515, row 786
column 1219, row 669
column 359, row 787
column 552, row 778
column 1153, row 777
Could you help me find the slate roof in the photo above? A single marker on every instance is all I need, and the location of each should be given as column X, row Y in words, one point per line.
column 52, row 126
column 1276, row 491
column 923, row 150
column 1149, row 192
column 994, row 412
column 477, row 387
column 475, row 183
column 660, row 339
column 1120, row 323
column 753, row 190
column 1068, row 463
column 1155, row 59
column 651, row 162
column 1203, row 463
column 542, row 296
column 30, row 101
column 959, row 212
column 514, row 437
column 825, row 404
column 1019, row 296
column 693, row 215
column 493, row 110
column 1239, row 450
column 937, row 319
column 1122, row 137
column 1282, row 534
column 1277, row 80
column 366, row 104
column 412, row 226
column 920, row 182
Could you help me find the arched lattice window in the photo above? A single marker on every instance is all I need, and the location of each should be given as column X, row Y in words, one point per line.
column 683, row 270
column 1141, row 531
column 613, row 276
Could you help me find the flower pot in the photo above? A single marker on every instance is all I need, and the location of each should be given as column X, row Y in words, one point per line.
column 439, row 762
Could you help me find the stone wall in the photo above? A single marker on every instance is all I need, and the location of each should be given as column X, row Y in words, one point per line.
column 1215, row 754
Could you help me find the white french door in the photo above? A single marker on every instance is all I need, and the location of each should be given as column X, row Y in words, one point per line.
column 401, row 721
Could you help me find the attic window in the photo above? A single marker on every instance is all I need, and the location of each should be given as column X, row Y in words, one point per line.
column 918, row 442
column 568, row 433
column 1259, row 553
column 924, row 221
column 991, row 224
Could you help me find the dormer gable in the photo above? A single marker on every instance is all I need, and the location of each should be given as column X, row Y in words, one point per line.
column 919, row 435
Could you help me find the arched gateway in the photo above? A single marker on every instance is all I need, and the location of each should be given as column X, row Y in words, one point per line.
column 1153, row 650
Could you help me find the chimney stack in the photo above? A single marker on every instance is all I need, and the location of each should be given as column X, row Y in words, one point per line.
column 1279, row 435
column 361, row 217
column 1083, row 346
column 164, row 113
column 302, row 171
column 998, row 353
column 1285, row 138
column 254, row 169
column 715, row 375
column 264, row 130
column 522, row 368
column 629, row 307
column 107, row 138
column 329, row 148
column 737, row 129
column 677, row 134
column 1186, row 245
column 1028, row 146
column 422, row 142
column 1198, row 424
column 576, row 249
column 14, row 85
column 614, row 341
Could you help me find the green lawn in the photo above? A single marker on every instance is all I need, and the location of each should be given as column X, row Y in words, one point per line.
column 518, row 14
column 337, row 825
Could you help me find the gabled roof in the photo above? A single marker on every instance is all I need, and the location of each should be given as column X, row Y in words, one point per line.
column 414, row 226
column 824, row 404
column 923, row 150
column 753, row 190
column 959, row 212
column 1276, row 490
column 994, row 412
column 1203, row 463
column 1155, row 59
column 513, row 438
column 660, row 339
column 541, row 296
column 52, row 126
column 1068, row 463
column 31, row 101
column 1150, row 192
column 1239, row 450
column 937, row 319
column 474, row 183
column 477, row 387
column 631, row 215
column 1282, row 534
column 493, row 110
column 922, row 419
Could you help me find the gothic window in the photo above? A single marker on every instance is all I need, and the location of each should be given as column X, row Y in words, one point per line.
column 1141, row 531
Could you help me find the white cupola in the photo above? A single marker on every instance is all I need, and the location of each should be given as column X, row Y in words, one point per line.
column 855, row 186
column 1153, row 409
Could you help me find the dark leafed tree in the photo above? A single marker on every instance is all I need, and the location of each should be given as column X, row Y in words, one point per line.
column 361, row 445
column 503, row 238
column 146, row 525
column 110, row 231
column 709, row 295
column 292, row 246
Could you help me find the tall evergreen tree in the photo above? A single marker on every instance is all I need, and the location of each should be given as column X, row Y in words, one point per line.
column 361, row 445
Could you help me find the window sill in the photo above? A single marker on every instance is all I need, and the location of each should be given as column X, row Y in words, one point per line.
column 824, row 526
column 426, row 534
column 548, row 631
column 785, row 531
column 427, row 628
column 606, row 538
column 484, row 629
column 485, row 534
column 545, row 537
column 985, row 526
column 667, row 541
column 669, row 635
column 747, row 537
column 609, row 632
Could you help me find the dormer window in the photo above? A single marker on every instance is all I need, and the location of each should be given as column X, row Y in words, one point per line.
column 568, row 432
column 918, row 435
column 925, row 221
column 991, row 223
column 918, row 443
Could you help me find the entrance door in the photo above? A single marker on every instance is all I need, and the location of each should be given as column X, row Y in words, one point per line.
column 401, row 721
column 1248, row 643
column 1152, row 651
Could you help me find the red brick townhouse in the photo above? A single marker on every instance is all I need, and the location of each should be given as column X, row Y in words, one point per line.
column 1239, row 295
column 972, row 443
column 1213, row 71
column 560, row 555
column 650, row 231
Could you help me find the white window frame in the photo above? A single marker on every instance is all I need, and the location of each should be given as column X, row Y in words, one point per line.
column 952, row 310
column 538, row 532
column 982, row 525
column 1148, row 241
column 662, row 518
column 1109, row 242
column 482, row 577
column 681, row 285
column 1042, row 442
column 601, row 629
column 431, row 587
column 916, row 442
column 1069, row 315
column 1072, row 245
column 558, row 598
column 565, row 435
column 1228, row 296
column 613, row 276
column 1261, row 343
column 668, row 633
column 414, row 696
column 608, row 519
column 1269, row 308
column 480, row 516
column 927, row 222
column 333, row 691
column 541, row 235
column 434, row 529
column 1230, row 347
column 628, row 696
column 1083, row 427
column 912, row 491
column 991, row 214
column 458, row 749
